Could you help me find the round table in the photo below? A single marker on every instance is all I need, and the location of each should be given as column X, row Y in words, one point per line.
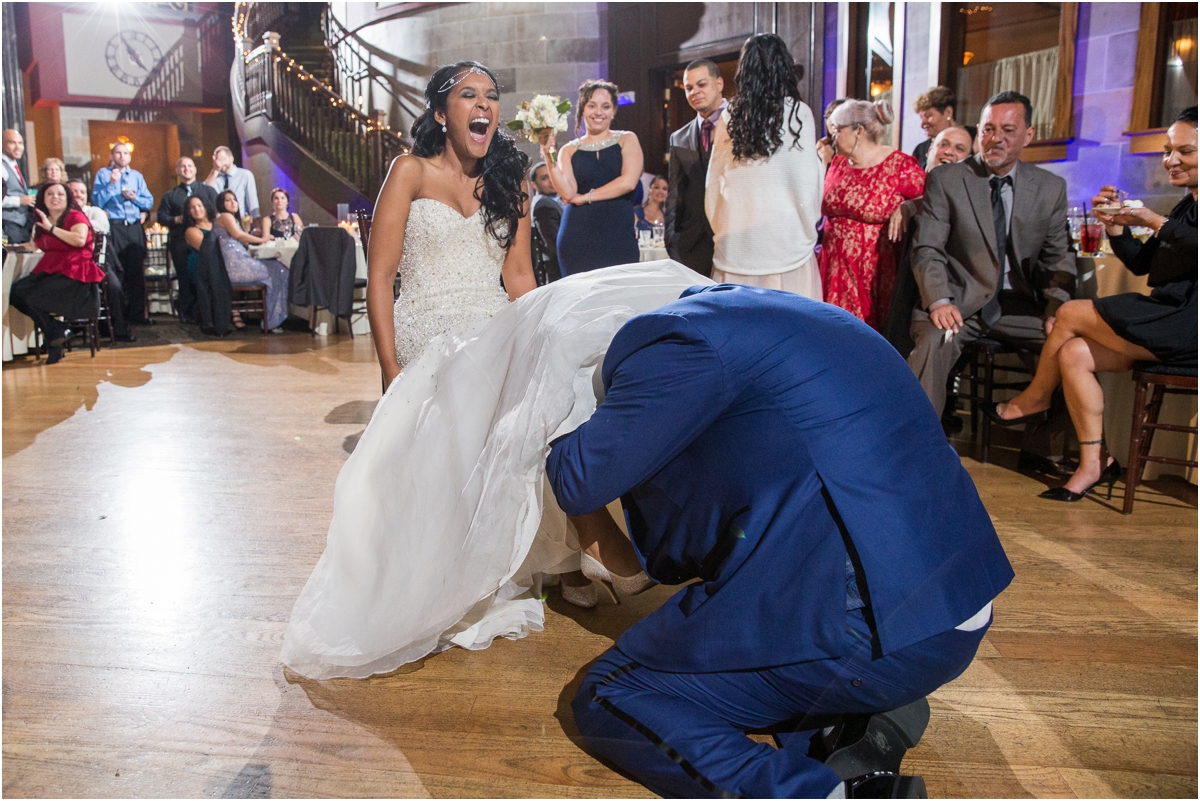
column 18, row 329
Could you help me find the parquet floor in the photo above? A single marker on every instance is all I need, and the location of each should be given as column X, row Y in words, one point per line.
column 162, row 507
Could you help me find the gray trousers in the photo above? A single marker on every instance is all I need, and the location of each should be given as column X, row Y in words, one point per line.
column 933, row 356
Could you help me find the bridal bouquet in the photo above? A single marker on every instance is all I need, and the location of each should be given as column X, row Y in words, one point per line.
column 545, row 114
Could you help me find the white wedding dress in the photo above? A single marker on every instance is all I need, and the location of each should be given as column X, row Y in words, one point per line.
column 442, row 522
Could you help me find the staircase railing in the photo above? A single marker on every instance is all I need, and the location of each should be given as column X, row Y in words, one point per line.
column 308, row 112
column 166, row 84
column 355, row 71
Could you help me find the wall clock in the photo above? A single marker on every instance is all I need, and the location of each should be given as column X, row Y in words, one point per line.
column 131, row 55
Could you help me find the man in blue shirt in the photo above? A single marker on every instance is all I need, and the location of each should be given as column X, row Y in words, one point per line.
column 121, row 192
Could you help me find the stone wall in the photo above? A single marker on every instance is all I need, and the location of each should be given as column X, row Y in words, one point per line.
column 534, row 48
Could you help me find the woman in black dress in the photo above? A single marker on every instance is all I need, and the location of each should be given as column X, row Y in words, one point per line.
column 1110, row 334
column 595, row 180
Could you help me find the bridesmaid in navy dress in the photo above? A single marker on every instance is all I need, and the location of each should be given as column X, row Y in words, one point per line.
column 595, row 179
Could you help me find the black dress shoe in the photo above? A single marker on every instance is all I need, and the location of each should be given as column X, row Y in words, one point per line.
column 1109, row 477
column 125, row 338
column 989, row 411
column 868, row 743
column 55, row 354
column 886, row 784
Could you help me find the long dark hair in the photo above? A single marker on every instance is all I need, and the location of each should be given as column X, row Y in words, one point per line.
column 39, row 202
column 221, row 204
column 501, row 170
column 766, row 75
column 209, row 215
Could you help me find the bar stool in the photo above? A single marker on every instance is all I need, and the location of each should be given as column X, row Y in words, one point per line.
column 977, row 369
column 1166, row 380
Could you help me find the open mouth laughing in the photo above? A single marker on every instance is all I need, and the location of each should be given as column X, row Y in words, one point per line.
column 478, row 128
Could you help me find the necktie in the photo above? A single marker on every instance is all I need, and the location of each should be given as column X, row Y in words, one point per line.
column 706, row 131
column 225, row 181
column 991, row 311
column 21, row 178
column 189, row 190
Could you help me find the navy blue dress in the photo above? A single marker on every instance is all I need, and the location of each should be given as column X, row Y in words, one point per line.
column 598, row 234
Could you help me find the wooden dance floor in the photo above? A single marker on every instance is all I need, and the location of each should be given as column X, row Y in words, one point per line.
column 164, row 505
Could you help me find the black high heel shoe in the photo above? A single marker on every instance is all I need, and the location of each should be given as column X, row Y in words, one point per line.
column 1109, row 477
column 990, row 412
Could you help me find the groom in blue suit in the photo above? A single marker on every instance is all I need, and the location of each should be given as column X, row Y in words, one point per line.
column 779, row 451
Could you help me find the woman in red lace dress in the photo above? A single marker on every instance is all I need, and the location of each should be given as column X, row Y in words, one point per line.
column 866, row 182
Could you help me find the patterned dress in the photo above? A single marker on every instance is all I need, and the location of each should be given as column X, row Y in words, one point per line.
column 858, row 262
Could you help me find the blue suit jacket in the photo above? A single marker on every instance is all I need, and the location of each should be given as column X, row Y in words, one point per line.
column 754, row 437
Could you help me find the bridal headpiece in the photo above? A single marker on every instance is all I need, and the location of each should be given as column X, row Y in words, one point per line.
column 455, row 80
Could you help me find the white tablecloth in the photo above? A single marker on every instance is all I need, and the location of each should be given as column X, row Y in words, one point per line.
column 18, row 329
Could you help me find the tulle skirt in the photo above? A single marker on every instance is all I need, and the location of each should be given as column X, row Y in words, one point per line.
column 442, row 519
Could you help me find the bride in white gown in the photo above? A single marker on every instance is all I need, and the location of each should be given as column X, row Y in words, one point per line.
column 442, row 523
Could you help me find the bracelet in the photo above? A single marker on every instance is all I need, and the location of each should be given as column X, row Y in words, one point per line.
column 590, row 196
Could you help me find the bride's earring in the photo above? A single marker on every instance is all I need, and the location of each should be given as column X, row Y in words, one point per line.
column 443, row 127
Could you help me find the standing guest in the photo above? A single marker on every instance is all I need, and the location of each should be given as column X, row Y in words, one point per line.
column 596, row 178
column 63, row 282
column 172, row 213
column 282, row 222
column 763, row 189
column 244, row 268
column 867, row 181
column 18, row 222
column 547, row 211
column 825, row 144
column 936, row 110
column 990, row 255
column 1109, row 334
column 651, row 213
column 116, row 293
column 689, row 237
column 227, row 176
column 54, row 171
column 121, row 191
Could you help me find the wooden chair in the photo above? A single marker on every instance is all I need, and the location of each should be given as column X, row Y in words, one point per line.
column 100, row 256
column 160, row 278
column 364, row 234
column 253, row 300
column 976, row 369
column 88, row 327
column 1166, row 380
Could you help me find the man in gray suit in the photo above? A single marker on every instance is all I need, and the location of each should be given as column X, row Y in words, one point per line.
column 991, row 254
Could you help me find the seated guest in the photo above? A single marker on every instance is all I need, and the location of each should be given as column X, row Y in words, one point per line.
column 244, row 268
column 1107, row 335
column 936, row 110
column 54, row 171
column 950, row 146
column 547, row 216
column 650, row 213
column 835, row 578
column 64, row 281
column 227, row 176
column 282, row 222
column 171, row 213
column 206, row 270
column 975, row 277
column 112, row 281
column 18, row 217
column 763, row 189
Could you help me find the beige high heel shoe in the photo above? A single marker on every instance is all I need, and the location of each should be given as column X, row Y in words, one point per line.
column 628, row 585
column 583, row 597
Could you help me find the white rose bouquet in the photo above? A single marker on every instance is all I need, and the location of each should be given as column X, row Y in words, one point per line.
column 545, row 115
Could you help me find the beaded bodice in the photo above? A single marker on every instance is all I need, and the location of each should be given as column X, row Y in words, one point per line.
column 449, row 275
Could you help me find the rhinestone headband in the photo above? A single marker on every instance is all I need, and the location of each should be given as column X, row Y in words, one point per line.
column 455, row 80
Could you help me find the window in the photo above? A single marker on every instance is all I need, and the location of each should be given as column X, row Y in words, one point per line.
column 1165, row 80
column 1023, row 47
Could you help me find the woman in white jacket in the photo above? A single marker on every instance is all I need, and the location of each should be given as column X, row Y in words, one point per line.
column 763, row 192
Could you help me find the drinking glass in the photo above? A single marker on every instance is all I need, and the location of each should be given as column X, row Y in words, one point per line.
column 1091, row 236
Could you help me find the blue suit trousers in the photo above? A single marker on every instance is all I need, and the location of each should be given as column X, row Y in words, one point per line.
column 682, row 735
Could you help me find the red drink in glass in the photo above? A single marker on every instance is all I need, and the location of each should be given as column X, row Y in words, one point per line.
column 1091, row 234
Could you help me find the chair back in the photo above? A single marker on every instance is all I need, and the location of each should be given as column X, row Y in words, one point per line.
column 364, row 228
column 99, row 242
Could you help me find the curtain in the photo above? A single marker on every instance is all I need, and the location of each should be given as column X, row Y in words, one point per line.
column 1034, row 75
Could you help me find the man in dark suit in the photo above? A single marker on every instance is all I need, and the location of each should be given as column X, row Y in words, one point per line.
column 835, row 577
column 172, row 213
column 688, row 235
column 990, row 255
column 547, row 215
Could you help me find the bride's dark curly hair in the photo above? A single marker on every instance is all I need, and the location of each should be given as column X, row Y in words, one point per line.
column 766, row 74
column 501, row 170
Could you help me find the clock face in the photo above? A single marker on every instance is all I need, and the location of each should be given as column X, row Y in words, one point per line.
column 131, row 55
